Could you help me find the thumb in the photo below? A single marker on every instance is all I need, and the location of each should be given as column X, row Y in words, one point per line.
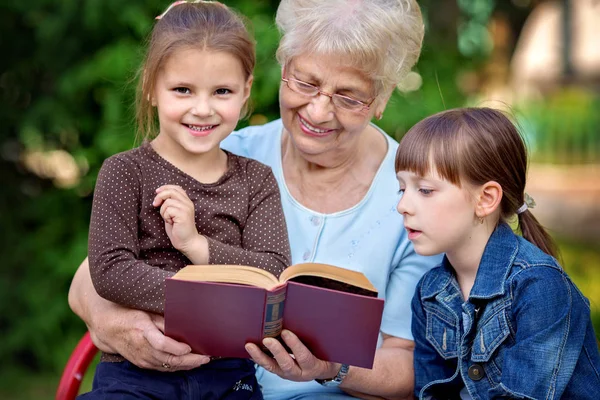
column 158, row 341
column 159, row 321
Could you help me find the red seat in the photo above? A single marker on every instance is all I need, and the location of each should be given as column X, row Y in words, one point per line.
column 72, row 375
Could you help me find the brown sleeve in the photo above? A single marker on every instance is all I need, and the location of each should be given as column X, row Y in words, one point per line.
column 113, row 246
column 265, row 241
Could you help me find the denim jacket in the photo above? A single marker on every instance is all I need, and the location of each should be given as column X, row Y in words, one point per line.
column 524, row 333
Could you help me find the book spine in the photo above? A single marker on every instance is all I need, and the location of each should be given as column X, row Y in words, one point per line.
column 274, row 312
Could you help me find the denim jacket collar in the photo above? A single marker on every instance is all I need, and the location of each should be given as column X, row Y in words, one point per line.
column 493, row 269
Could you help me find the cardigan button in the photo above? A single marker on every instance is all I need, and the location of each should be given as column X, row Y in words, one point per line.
column 476, row 372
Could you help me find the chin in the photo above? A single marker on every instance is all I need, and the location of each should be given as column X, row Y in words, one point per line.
column 426, row 251
column 308, row 144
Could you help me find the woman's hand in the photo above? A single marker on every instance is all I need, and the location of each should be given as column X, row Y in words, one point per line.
column 301, row 366
column 390, row 378
column 177, row 210
column 138, row 336
column 134, row 334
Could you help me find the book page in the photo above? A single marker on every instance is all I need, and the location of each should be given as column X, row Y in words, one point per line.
column 333, row 285
column 240, row 274
column 328, row 272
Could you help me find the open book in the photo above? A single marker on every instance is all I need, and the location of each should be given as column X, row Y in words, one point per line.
column 217, row 309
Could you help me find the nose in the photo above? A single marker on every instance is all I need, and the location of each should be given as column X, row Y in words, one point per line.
column 403, row 206
column 320, row 108
column 202, row 108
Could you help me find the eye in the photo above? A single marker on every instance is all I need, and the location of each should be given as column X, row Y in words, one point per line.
column 222, row 91
column 182, row 90
column 426, row 192
column 348, row 102
column 305, row 85
column 401, row 191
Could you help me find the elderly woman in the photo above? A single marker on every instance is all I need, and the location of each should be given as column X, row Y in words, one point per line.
column 341, row 61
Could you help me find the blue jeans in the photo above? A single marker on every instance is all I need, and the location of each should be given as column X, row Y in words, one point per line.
column 230, row 379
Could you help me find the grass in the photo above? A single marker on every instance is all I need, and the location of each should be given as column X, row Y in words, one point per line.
column 582, row 263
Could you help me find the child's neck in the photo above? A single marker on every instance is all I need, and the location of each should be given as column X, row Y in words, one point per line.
column 207, row 167
column 466, row 259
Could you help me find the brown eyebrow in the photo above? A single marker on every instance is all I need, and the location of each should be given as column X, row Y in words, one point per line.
column 223, row 84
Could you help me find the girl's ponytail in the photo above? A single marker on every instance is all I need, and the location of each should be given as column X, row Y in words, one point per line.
column 536, row 234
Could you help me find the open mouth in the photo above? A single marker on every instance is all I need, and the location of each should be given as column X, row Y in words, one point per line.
column 202, row 128
column 412, row 233
column 312, row 129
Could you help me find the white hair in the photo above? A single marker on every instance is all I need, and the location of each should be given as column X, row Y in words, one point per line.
column 382, row 38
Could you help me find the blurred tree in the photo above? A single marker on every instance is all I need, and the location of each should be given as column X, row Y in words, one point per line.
column 64, row 83
column 67, row 79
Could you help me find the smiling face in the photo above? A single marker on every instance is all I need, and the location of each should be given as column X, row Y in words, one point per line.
column 199, row 95
column 315, row 126
column 438, row 215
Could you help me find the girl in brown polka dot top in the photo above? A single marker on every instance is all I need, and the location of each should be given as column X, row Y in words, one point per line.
column 196, row 81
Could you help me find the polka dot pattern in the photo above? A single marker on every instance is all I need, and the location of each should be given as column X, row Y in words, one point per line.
column 129, row 251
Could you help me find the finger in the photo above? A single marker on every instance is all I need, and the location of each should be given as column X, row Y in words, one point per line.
column 165, row 344
column 262, row 359
column 169, row 187
column 171, row 210
column 167, row 214
column 187, row 362
column 159, row 321
column 161, row 197
column 309, row 366
column 302, row 355
column 285, row 362
column 173, row 192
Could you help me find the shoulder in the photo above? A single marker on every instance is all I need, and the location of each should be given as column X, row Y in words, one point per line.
column 531, row 258
column 120, row 173
column 128, row 157
column 255, row 173
column 387, row 169
column 259, row 130
column 129, row 161
column 537, row 273
column 259, row 142
column 250, row 165
column 385, row 181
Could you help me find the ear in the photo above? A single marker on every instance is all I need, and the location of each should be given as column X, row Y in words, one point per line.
column 248, row 87
column 489, row 199
column 381, row 103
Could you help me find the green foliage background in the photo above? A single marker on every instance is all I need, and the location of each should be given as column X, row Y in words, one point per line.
column 67, row 73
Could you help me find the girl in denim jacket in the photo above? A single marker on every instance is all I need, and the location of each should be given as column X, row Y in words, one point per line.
column 499, row 318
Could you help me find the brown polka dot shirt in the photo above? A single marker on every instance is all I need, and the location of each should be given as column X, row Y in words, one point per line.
column 129, row 251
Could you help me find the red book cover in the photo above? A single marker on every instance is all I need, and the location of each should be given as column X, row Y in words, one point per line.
column 336, row 326
column 218, row 319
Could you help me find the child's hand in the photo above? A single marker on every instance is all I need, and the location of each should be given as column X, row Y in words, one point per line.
column 177, row 210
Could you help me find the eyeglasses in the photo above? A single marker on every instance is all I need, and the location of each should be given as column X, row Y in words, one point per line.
column 338, row 100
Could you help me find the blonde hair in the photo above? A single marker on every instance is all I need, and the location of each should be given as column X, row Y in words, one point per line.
column 199, row 25
column 475, row 145
column 382, row 38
